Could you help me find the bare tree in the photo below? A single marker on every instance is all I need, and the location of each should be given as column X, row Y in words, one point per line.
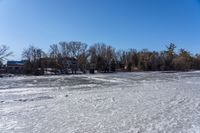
column 64, row 49
column 77, row 48
column 169, row 56
column 102, row 56
column 55, row 57
column 54, row 51
column 33, row 57
column 4, row 52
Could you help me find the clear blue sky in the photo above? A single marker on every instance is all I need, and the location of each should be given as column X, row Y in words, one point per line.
column 123, row 24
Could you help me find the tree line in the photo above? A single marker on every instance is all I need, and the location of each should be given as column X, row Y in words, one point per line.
column 105, row 58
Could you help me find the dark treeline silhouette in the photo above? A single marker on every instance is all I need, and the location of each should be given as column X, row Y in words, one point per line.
column 74, row 56
column 77, row 56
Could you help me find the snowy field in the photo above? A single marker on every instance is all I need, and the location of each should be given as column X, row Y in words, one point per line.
column 151, row 102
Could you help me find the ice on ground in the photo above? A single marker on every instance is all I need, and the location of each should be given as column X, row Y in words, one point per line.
column 149, row 102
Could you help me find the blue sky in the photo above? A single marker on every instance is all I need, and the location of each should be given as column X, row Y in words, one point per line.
column 124, row 24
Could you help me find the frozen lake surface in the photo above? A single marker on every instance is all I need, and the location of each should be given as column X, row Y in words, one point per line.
column 151, row 102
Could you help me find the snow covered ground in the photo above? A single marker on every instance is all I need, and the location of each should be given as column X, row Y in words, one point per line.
column 151, row 102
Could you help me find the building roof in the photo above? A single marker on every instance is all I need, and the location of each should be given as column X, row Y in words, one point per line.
column 15, row 62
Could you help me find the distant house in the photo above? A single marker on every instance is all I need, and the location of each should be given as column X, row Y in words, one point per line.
column 15, row 67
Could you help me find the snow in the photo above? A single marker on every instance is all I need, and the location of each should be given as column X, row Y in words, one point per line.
column 149, row 102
